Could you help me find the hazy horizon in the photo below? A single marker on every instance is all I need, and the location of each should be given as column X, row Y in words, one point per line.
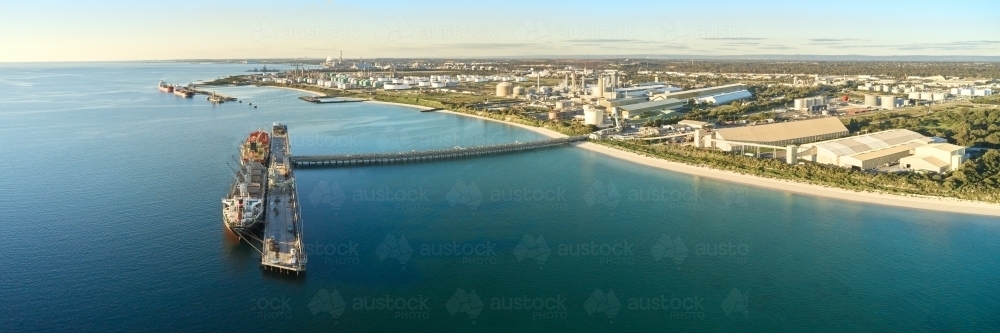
column 64, row 31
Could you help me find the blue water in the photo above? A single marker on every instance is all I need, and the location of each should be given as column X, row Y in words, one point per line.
column 111, row 222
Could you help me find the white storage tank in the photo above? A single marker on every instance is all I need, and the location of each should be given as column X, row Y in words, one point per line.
column 926, row 96
column 889, row 102
column 940, row 96
column 518, row 91
column 593, row 116
column 504, row 89
column 871, row 100
column 914, row 95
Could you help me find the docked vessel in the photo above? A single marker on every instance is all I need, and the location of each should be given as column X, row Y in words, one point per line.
column 243, row 208
column 256, row 147
column 164, row 87
column 183, row 92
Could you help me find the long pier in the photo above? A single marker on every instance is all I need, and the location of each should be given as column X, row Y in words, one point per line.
column 282, row 241
column 427, row 155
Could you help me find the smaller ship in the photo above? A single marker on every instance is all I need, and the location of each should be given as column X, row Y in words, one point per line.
column 243, row 208
column 256, row 147
column 183, row 92
column 164, row 87
column 216, row 98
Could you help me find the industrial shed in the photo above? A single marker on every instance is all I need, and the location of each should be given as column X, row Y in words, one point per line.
column 867, row 151
column 787, row 133
column 657, row 106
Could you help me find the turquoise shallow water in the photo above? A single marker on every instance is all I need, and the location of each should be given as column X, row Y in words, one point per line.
column 111, row 222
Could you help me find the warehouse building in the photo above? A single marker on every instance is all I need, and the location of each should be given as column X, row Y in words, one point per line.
column 936, row 157
column 867, row 151
column 781, row 134
column 655, row 106
column 724, row 98
column 705, row 92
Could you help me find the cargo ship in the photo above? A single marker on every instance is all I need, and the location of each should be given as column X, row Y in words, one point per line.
column 164, row 87
column 243, row 208
column 183, row 92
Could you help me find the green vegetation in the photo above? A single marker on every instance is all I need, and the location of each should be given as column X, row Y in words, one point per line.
column 963, row 125
column 977, row 180
column 993, row 99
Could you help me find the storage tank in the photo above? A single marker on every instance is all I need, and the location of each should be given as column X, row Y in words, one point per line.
column 926, row 96
column 871, row 100
column 593, row 116
column 954, row 91
column 914, row 95
column 889, row 102
column 504, row 89
column 896, row 90
column 518, row 91
column 939, row 96
column 799, row 104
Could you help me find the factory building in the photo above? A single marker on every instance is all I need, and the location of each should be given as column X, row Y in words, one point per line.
column 782, row 134
column 937, row 157
column 644, row 90
column 867, row 151
column 610, row 103
column 704, row 92
column 724, row 98
column 654, row 106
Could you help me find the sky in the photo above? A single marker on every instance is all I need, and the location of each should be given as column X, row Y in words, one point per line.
column 180, row 29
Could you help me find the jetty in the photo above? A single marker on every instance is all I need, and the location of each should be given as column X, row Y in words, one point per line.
column 428, row 155
column 282, row 239
column 326, row 100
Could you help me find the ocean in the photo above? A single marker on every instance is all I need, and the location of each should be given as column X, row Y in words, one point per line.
column 111, row 221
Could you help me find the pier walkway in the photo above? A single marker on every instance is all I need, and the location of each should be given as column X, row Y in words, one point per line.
column 282, row 241
column 415, row 156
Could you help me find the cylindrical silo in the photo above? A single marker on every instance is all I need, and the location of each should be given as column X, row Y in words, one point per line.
column 871, row 100
column 518, row 91
column 914, row 95
column 503, row 89
column 939, row 96
column 799, row 104
column 927, row 96
column 889, row 102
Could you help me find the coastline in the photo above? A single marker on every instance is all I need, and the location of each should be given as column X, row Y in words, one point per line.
column 911, row 202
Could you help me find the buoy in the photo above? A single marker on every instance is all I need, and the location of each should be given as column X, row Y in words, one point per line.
column 255, row 107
